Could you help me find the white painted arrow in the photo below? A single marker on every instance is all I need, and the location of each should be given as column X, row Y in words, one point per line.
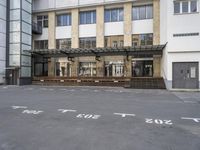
column 194, row 119
column 66, row 110
column 124, row 115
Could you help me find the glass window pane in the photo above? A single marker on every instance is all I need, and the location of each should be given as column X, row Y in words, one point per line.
column 88, row 17
column 15, row 15
column 193, row 6
column 114, row 15
column 149, row 12
column 26, row 17
column 107, row 16
column 142, row 12
column 82, row 18
column 58, row 20
column 15, row 37
column 121, row 14
column 94, row 17
column 15, row 4
column 176, row 7
column 185, row 7
column 135, row 13
column 14, row 26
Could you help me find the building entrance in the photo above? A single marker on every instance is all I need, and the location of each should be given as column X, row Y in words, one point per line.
column 185, row 75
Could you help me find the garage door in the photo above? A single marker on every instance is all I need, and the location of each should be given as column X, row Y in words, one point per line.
column 185, row 75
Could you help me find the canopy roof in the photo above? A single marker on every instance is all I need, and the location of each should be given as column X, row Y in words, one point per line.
column 108, row 51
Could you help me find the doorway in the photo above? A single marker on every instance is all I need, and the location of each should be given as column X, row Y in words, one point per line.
column 185, row 75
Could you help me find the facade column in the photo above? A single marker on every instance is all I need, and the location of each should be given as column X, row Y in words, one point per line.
column 156, row 22
column 100, row 67
column 51, row 41
column 128, row 66
column 128, row 24
column 157, row 66
column 100, row 26
column 75, row 67
column 75, row 28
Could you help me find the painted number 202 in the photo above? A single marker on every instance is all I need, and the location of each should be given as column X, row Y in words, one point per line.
column 159, row 121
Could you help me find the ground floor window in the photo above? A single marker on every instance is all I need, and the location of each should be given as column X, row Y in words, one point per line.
column 41, row 68
column 87, row 69
column 63, row 69
column 142, row 68
column 114, row 69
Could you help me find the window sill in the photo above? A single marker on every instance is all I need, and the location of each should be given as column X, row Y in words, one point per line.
column 186, row 13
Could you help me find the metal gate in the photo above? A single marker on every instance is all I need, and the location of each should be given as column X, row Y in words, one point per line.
column 185, row 75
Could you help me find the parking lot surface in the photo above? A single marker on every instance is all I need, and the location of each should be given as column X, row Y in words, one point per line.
column 98, row 118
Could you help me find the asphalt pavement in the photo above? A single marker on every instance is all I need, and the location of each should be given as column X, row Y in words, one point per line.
column 98, row 118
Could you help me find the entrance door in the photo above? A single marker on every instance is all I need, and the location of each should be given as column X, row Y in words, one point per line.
column 13, row 76
column 186, row 75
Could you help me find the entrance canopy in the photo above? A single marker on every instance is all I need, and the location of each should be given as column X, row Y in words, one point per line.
column 136, row 51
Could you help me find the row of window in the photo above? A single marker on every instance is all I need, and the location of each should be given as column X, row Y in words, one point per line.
column 181, row 7
column 110, row 15
column 115, row 41
column 142, row 68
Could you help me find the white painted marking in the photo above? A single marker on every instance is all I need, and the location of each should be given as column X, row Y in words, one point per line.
column 5, row 87
column 88, row 116
column 19, row 107
column 192, row 102
column 66, row 110
column 194, row 119
column 35, row 112
column 158, row 121
column 124, row 115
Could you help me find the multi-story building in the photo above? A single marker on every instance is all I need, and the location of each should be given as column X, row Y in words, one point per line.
column 118, row 40
column 16, row 36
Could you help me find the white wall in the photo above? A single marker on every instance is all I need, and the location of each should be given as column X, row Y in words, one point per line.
column 179, row 49
column 39, row 5
column 87, row 30
column 2, row 40
column 142, row 26
column 114, row 28
column 63, row 32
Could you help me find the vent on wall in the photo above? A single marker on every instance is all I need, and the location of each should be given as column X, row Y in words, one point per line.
column 185, row 34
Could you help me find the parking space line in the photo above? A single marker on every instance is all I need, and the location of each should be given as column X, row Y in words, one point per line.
column 19, row 107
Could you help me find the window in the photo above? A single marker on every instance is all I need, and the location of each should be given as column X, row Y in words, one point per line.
column 114, row 69
column 193, row 6
column 177, row 7
column 142, row 12
column 41, row 44
column 63, row 43
column 114, row 15
column 64, row 20
column 114, row 41
column 142, row 39
column 87, row 42
column 42, row 21
column 142, row 68
column 88, row 17
column 185, row 6
column 87, row 69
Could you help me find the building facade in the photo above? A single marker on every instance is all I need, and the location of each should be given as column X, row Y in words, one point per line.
column 114, row 39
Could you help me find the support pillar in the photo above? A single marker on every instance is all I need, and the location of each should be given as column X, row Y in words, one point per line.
column 128, row 66
column 100, row 67
column 100, row 26
column 75, row 28
column 156, row 22
column 128, row 24
column 75, row 67
column 51, row 42
column 157, row 66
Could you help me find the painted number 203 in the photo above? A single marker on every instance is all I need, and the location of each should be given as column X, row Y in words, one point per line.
column 159, row 121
